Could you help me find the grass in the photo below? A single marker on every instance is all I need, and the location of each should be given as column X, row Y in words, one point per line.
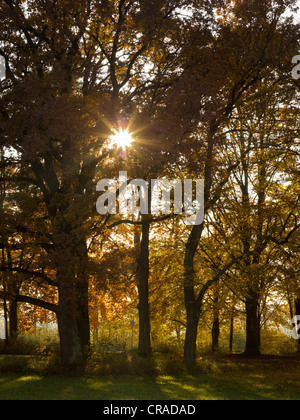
column 220, row 378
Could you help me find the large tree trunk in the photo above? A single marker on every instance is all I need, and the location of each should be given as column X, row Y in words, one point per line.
column 73, row 312
column 70, row 346
column 71, row 325
column 83, row 322
column 143, row 289
column 252, row 326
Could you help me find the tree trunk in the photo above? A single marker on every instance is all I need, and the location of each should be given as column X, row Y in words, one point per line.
column 193, row 305
column 215, row 333
column 297, row 307
column 231, row 335
column 5, row 321
column 83, row 321
column 72, row 315
column 190, row 344
column 70, row 346
column 143, row 289
column 193, row 310
column 13, row 319
column 13, row 312
column 252, row 326
column 216, row 320
column 73, row 320
column 178, row 335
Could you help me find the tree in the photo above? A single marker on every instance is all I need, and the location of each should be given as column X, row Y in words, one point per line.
column 260, row 209
column 72, row 72
column 254, row 25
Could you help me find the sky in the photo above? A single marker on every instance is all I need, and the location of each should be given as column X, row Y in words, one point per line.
column 298, row 14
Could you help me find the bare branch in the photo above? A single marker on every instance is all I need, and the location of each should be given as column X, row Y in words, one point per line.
column 30, row 273
column 140, row 223
column 32, row 301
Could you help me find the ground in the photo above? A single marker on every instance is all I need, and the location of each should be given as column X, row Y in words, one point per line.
column 217, row 378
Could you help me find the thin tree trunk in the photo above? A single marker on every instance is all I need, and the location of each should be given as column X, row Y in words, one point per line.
column 178, row 335
column 192, row 311
column 216, row 320
column 192, row 304
column 5, row 302
column 231, row 334
column 297, row 307
column 143, row 290
column 5, row 321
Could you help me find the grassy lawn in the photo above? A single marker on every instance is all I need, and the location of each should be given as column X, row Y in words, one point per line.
column 215, row 379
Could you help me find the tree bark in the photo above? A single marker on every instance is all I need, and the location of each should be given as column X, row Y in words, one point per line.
column 83, row 322
column 70, row 346
column 215, row 333
column 193, row 310
column 143, row 290
column 73, row 315
column 68, row 320
column 13, row 319
column 190, row 344
column 252, row 326
column 13, row 312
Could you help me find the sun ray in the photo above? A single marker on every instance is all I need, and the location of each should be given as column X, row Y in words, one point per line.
column 122, row 138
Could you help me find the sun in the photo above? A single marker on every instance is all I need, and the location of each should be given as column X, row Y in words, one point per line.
column 122, row 138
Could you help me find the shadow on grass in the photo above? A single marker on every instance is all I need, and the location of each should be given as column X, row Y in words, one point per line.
column 214, row 379
column 15, row 387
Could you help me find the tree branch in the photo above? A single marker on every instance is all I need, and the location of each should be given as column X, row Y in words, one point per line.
column 142, row 222
column 30, row 273
column 215, row 279
column 32, row 301
column 179, row 322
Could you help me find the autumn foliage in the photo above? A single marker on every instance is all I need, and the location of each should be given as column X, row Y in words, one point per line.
column 205, row 88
